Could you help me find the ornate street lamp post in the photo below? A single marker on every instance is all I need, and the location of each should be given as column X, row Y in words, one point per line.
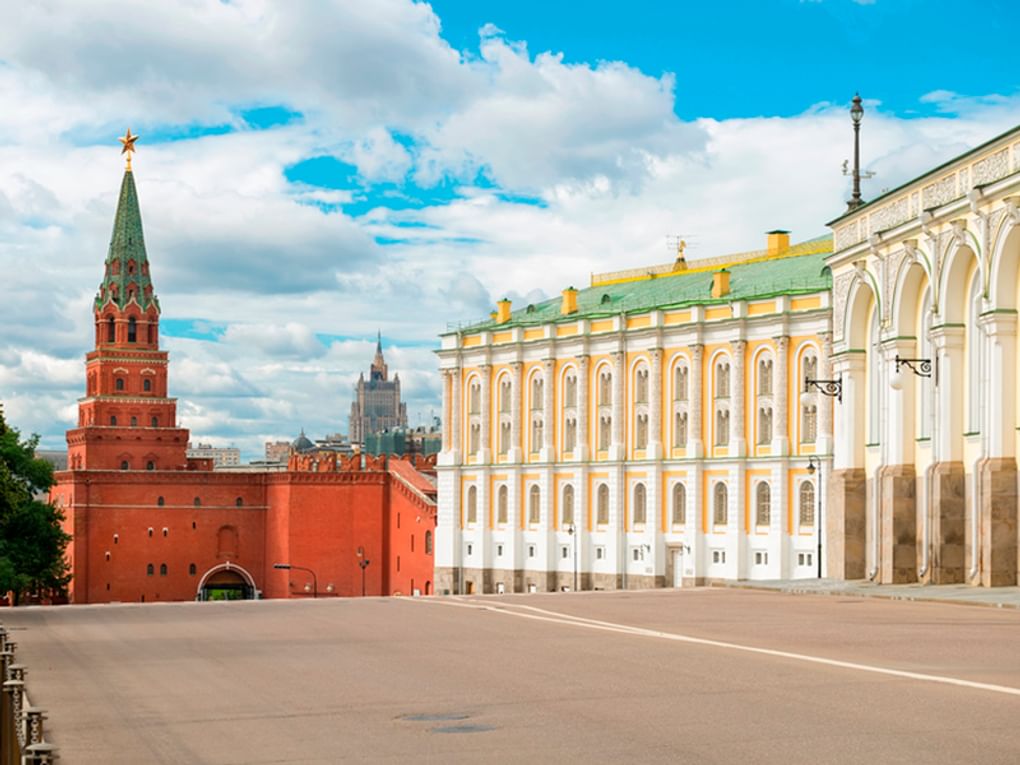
column 815, row 463
column 856, row 114
column 363, row 563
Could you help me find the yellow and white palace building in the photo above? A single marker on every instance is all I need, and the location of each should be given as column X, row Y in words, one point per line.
column 925, row 481
column 651, row 430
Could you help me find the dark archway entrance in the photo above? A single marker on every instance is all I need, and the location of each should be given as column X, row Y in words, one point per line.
column 227, row 583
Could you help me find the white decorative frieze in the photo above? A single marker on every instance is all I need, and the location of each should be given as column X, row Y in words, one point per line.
column 938, row 193
column 992, row 168
column 840, row 291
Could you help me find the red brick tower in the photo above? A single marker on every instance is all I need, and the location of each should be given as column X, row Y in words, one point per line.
column 126, row 421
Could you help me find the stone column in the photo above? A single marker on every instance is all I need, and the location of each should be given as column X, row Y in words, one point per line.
column 515, row 411
column 654, row 449
column 949, row 484
column 846, row 517
column 548, row 413
column 738, row 440
column 617, row 448
column 447, row 410
column 781, row 395
column 485, row 455
column 825, row 403
column 998, row 521
column 695, row 444
column 582, row 452
column 455, row 419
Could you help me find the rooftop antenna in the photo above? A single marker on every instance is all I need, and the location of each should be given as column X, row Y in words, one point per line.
column 676, row 244
column 856, row 114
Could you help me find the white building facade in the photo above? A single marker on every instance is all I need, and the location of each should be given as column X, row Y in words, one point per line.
column 652, row 430
column 925, row 474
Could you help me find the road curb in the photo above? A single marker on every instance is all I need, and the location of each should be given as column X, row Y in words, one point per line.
column 878, row 595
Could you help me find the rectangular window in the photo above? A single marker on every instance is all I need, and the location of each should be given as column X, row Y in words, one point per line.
column 564, row 552
column 718, row 556
column 636, row 554
column 600, row 553
column 531, row 551
column 761, row 559
column 499, row 551
column 470, row 549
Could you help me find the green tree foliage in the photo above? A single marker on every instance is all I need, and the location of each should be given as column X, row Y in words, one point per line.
column 32, row 542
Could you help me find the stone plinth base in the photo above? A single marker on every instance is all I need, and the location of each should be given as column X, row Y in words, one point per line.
column 845, row 525
column 998, row 522
column 948, row 523
column 897, row 542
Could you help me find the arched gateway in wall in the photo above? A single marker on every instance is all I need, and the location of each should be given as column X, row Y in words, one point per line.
column 227, row 581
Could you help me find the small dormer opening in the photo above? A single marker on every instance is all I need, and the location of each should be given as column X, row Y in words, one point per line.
column 530, row 308
column 606, row 299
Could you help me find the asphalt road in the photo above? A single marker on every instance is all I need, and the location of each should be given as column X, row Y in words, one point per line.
column 698, row 676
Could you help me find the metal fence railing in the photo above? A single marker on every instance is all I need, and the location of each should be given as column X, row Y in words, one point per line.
column 22, row 738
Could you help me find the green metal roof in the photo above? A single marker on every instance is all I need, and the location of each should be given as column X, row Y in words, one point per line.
column 127, row 265
column 755, row 279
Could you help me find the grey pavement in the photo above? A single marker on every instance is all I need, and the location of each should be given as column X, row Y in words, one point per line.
column 705, row 675
column 963, row 594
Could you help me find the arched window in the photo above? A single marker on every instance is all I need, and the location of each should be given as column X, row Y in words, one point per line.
column 568, row 505
column 809, row 423
column 111, row 330
column 239, row 502
column 154, row 422
column 504, row 437
column 504, row 395
column 192, row 569
column 680, row 429
column 150, row 570
column 428, row 542
column 475, row 438
column 722, row 379
column 472, row 505
column 119, row 383
column 641, row 386
column 807, row 503
column 569, row 434
column 150, row 465
column 765, row 425
column 640, row 513
column 536, row 392
column 720, row 509
column 198, row 502
column 146, row 385
column 765, row 377
column 680, row 383
column 113, row 419
column 536, row 433
column 501, row 505
column 602, row 510
column 160, row 501
column 605, row 388
column 134, row 421
column 570, row 391
column 641, row 432
column 605, row 431
column 722, row 427
column 124, row 465
column 162, row 569
column 679, row 517
column 475, row 398
column 762, row 505
column 132, row 330
column 534, row 505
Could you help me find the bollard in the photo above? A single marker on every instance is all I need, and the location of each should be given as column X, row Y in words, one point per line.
column 14, row 690
column 34, row 717
column 41, row 754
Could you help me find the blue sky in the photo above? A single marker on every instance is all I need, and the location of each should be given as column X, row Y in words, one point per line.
column 307, row 180
column 770, row 57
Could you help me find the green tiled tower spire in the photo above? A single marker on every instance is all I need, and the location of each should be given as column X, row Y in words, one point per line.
column 127, row 265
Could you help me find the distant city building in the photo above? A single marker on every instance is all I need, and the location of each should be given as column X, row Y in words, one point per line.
column 225, row 456
column 404, row 441
column 376, row 406
column 277, row 451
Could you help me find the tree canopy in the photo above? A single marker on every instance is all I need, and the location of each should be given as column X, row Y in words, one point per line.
column 32, row 542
